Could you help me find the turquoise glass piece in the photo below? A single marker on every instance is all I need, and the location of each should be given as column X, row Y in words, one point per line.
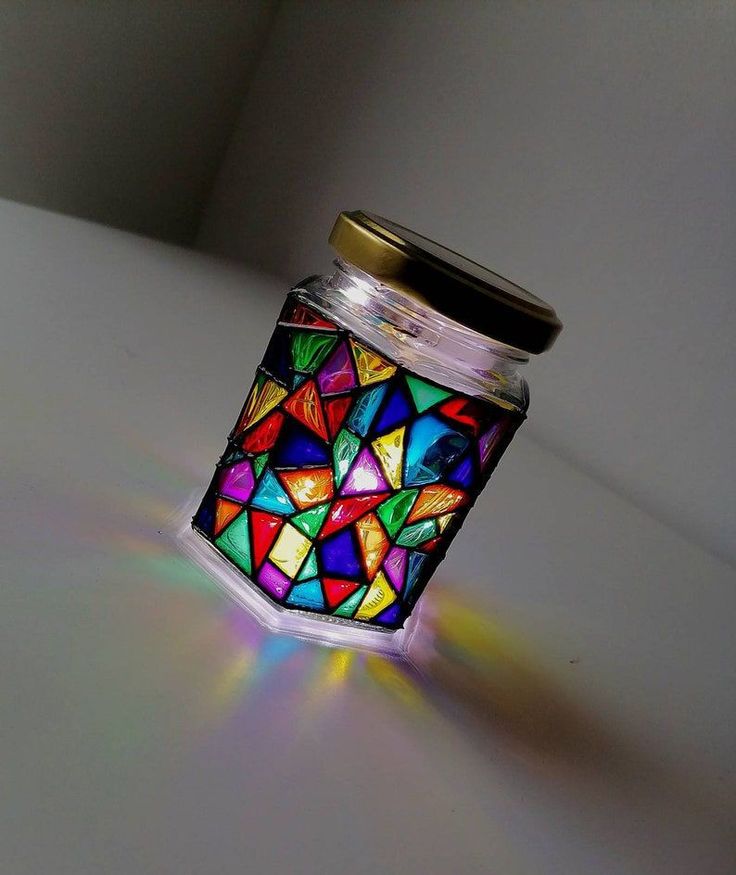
column 307, row 595
column 365, row 409
column 271, row 496
column 350, row 605
column 416, row 560
column 310, row 567
column 413, row 536
column 431, row 450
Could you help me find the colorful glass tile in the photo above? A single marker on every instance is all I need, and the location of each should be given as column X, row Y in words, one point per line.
column 425, row 395
column 389, row 449
column 225, row 512
column 372, row 368
column 237, row 481
column 337, row 374
column 365, row 409
column 232, row 455
column 489, row 441
column 395, row 567
column 301, row 315
column 364, row 476
column 431, row 448
column 298, row 447
column 259, row 463
column 264, row 527
column 264, row 435
column 346, row 510
column 444, row 521
column 276, row 359
column 310, row 567
column 435, row 500
column 310, row 521
column 261, row 401
column 339, row 554
column 379, row 596
column 235, row 543
column 348, row 608
column 395, row 411
column 416, row 561
column 271, row 496
column 309, row 349
column 463, row 474
column 307, row 595
column 337, row 591
column 344, row 450
column 204, row 519
column 418, row 533
column 394, row 511
column 336, row 410
column 273, row 581
column 308, row 486
column 373, row 543
column 290, row 550
column 467, row 411
column 305, row 405
column 389, row 616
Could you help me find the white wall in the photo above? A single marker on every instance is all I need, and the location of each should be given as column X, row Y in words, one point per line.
column 583, row 149
column 120, row 110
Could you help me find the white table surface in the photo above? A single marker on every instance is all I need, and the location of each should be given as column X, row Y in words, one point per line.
column 584, row 723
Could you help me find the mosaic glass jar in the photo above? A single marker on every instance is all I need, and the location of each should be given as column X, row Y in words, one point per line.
column 385, row 398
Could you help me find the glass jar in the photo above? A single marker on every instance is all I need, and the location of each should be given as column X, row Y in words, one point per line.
column 386, row 396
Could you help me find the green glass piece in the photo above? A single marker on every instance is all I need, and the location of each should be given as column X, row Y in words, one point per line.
column 344, row 451
column 234, row 542
column 425, row 395
column 259, row 463
column 413, row 536
column 395, row 510
column 309, row 569
column 309, row 349
column 350, row 606
column 310, row 520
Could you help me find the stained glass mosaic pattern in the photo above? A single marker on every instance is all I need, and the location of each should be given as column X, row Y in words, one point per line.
column 346, row 477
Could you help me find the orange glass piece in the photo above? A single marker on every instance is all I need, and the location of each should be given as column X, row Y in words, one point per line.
column 347, row 510
column 265, row 527
column 305, row 406
column 436, row 500
column 308, row 487
column 264, row 435
column 373, row 543
column 371, row 367
column 225, row 513
column 262, row 400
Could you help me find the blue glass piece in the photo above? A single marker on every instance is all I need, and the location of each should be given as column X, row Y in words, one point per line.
column 276, row 358
column 389, row 616
column 204, row 519
column 307, row 595
column 232, row 455
column 416, row 560
column 339, row 555
column 298, row 380
column 365, row 409
column 270, row 495
column 298, row 447
column 431, row 449
column 463, row 474
column 396, row 411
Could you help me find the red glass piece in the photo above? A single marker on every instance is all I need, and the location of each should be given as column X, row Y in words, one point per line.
column 430, row 545
column 336, row 591
column 465, row 411
column 336, row 410
column 225, row 512
column 263, row 436
column 265, row 527
column 302, row 315
column 347, row 510
column 305, row 406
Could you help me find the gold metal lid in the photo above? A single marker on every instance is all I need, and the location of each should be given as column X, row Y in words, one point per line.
column 450, row 283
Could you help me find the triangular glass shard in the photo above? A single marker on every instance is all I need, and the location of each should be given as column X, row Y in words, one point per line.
column 290, row 550
column 232, row 455
column 489, row 441
column 273, row 581
column 309, row 349
column 264, row 435
column 339, row 555
column 305, row 406
column 337, row 591
column 298, row 447
column 276, row 358
column 297, row 380
column 431, row 545
column 225, row 512
column 308, row 486
column 364, row 476
column 373, row 543
column 299, row 314
column 337, row 374
column 425, row 394
column 265, row 527
column 463, row 474
column 307, row 595
column 372, row 368
column 344, row 450
column 309, row 569
column 419, row 533
column 261, row 401
column 435, row 500
column 395, row 510
column 310, row 521
column 349, row 606
column 390, row 616
column 234, row 542
column 416, row 561
column 431, row 448
column 379, row 596
column 466, row 411
column 204, row 518
column 335, row 412
column 237, row 481
column 395, row 567
column 395, row 411
column 444, row 521
column 271, row 496
column 365, row 409
column 389, row 449
column 259, row 463
column 346, row 510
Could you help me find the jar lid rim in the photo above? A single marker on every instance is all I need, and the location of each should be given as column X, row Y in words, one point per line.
column 453, row 285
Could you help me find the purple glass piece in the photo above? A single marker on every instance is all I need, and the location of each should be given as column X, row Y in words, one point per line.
column 337, row 374
column 488, row 441
column 273, row 581
column 364, row 476
column 395, row 565
column 390, row 615
column 339, row 555
column 237, row 482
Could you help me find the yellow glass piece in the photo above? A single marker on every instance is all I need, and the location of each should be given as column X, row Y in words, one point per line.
column 378, row 598
column 260, row 402
column 444, row 521
column 390, row 452
column 435, row 500
column 371, row 367
column 373, row 543
column 290, row 550
column 308, row 487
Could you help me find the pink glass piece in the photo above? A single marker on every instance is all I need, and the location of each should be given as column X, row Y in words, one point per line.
column 237, row 482
column 364, row 476
column 273, row 581
column 337, row 374
column 395, row 567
